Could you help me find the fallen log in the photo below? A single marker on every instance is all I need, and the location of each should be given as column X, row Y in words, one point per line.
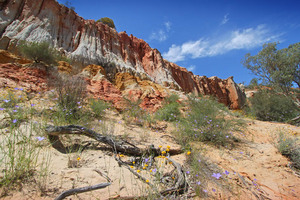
column 117, row 145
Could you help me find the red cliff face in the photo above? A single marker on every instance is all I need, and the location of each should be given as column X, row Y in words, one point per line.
column 89, row 42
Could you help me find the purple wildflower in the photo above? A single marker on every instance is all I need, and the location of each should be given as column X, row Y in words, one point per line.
column 14, row 121
column 214, row 190
column 40, row 138
column 216, row 175
column 226, row 172
column 198, row 183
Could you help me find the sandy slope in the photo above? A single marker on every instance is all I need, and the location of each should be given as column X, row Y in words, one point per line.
column 263, row 170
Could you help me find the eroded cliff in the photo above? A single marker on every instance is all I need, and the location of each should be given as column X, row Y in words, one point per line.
column 90, row 42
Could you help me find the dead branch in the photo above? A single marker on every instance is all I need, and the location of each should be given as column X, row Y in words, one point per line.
column 81, row 190
column 119, row 145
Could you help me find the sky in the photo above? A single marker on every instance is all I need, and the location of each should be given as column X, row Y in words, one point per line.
column 208, row 37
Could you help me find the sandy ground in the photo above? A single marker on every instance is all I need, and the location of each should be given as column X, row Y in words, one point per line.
column 263, row 169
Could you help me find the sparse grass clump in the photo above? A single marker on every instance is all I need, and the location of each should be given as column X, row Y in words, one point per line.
column 19, row 143
column 289, row 147
column 170, row 110
column 133, row 112
column 71, row 93
column 98, row 107
column 268, row 106
column 207, row 121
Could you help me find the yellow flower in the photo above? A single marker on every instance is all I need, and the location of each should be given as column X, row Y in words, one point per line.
column 173, row 177
column 170, row 163
column 146, row 165
column 138, row 171
column 188, row 153
column 163, row 152
column 133, row 162
column 121, row 155
column 168, row 147
column 131, row 166
column 150, row 170
column 159, row 156
column 160, row 146
column 147, row 181
column 78, row 158
column 163, row 156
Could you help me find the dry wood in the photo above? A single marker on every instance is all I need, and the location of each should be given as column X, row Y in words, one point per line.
column 118, row 145
column 81, row 190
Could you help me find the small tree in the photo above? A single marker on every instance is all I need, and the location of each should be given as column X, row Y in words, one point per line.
column 108, row 21
column 69, row 5
column 279, row 68
column 40, row 52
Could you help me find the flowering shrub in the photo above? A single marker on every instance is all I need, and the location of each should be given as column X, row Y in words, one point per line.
column 289, row 147
column 206, row 121
column 170, row 110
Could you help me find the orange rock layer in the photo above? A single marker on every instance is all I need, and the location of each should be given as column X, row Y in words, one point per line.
column 89, row 42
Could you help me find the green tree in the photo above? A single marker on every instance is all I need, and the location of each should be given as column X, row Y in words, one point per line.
column 69, row 5
column 108, row 21
column 279, row 68
column 40, row 52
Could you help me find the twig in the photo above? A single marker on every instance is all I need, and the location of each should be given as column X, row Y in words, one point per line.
column 81, row 190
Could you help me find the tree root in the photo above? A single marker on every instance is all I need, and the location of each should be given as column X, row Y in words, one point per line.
column 53, row 132
column 119, row 145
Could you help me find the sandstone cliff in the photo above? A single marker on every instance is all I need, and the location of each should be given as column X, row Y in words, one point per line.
column 89, row 42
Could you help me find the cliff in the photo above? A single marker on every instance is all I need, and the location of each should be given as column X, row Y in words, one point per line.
column 90, row 42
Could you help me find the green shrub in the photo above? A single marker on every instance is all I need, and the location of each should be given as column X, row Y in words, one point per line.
column 107, row 21
column 289, row 147
column 98, row 107
column 207, row 121
column 40, row 52
column 170, row 110
column 268, row 106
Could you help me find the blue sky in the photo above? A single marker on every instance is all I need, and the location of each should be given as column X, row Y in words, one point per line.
column 207, row 37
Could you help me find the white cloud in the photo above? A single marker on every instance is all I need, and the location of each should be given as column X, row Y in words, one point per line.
column 161, row 35
column 225, row 19
column 238, row 39
column 191, row 68
column 168, row 26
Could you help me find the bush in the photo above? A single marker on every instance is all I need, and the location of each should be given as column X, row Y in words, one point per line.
column 206, row 121
column 268, row 106
column 71, row 93
column 288, row 147
column 98, row 107
column 40, row 52
column 170, row 110
column 107, row 21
